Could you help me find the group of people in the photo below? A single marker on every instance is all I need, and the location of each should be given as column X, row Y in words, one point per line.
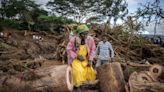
column 81, row 51
column 157, row 40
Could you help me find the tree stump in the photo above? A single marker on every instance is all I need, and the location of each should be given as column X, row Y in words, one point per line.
column 47, row 79
column 144, row 82
column 111, row 78
column 157, row 70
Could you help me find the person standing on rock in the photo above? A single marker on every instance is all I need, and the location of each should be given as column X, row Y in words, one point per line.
column 80, row 51
column 104, row 52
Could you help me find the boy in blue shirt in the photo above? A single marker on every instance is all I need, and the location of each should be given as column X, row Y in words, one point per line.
column 104, row 51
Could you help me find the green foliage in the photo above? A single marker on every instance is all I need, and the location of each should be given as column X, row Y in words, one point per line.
column 9, row 23
column 27, row 10
column 55, row 20
column 70, row 7
column 23, row 26
column 115, row 8
column 112, row 8
column 30, row 16
column 43, row 24
column 35, row 13
column 42, row 27
column 14, row 7
column 60, row 6
column 1, row 29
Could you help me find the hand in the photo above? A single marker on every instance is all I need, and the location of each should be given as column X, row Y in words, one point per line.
column 96, row 57
column 80, row 58
column 89, row 63
column 70, row 65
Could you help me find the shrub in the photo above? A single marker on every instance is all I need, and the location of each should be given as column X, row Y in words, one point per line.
column 9, row 23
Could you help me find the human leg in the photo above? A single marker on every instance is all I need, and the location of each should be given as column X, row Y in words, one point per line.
column 98, row 63
column 105, row 62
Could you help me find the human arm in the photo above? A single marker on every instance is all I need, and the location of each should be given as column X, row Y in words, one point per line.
column 70, row 50
column 111, row 52
column 98, row 49
column 92, row 48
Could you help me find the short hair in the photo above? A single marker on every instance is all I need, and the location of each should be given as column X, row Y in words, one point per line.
column 104, row 35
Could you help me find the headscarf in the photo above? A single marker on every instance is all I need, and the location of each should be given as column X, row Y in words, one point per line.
column 81, row 28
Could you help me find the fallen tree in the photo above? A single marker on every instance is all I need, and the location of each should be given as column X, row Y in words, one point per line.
column 111, row 78
column 54, row 79
column 147, row 81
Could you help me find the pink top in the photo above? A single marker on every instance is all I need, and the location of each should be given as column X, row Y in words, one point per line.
column 72, row 53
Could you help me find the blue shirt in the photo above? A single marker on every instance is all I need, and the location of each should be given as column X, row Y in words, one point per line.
column 104, row 50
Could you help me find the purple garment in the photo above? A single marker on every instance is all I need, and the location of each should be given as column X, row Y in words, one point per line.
column 72, row 53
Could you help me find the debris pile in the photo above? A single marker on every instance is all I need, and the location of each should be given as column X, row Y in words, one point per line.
column 139, row 50
column 23, row 51
column 29, row 50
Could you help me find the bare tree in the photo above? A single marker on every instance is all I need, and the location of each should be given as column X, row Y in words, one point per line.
column 150, row 12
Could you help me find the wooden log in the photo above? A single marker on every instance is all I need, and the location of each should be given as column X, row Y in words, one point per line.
column 157, row 70
column 144, row 82
column 111, row 78
column 138, row 65
column 47, row 79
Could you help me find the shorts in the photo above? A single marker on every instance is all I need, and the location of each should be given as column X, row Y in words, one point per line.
column 101, row 62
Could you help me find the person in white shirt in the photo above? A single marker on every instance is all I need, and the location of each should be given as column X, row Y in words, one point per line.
column 104, row 51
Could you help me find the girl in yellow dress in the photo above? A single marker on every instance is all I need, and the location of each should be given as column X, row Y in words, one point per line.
column 80, row 52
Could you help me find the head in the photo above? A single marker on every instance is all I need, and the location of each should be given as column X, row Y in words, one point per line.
column 104, row 38
column 82, row 30
column 83, row 35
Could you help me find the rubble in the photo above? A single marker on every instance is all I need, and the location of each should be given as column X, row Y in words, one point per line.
column 21, row 52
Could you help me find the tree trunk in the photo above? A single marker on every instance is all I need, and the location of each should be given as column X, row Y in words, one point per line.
column 157, row 71
column 144, row 82
column 147, row 81
column 48, row 79
column 111, row 78
column 109, row 22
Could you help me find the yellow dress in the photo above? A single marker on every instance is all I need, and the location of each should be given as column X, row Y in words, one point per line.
column 81, row 72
